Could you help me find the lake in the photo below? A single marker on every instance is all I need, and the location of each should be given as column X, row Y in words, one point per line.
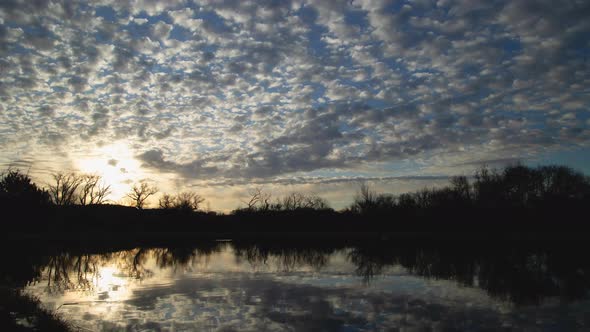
column 294, row 286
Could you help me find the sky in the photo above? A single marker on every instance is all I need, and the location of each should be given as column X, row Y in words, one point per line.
column 221, row 96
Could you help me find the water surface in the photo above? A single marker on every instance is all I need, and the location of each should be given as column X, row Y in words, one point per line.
column 252, row 287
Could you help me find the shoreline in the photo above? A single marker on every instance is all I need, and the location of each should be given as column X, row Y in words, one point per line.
column 106, row 237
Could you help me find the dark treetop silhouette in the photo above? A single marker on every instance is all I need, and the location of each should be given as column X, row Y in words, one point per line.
column 517, row 198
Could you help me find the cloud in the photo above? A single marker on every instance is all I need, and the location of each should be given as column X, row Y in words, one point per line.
column 194, row 169
column 238, row 91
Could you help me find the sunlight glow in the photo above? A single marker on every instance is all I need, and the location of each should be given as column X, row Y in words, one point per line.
column 109, row 279
column 117, row 166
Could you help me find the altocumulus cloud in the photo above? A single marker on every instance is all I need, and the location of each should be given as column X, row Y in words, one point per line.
column 238, row 91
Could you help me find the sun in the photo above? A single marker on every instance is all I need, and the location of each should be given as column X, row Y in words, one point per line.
column 115, row 164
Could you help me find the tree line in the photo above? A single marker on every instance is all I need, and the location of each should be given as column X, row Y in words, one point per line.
column 67, row 189
column 514, row 187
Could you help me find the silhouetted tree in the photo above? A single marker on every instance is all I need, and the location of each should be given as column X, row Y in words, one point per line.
column 17, row 188
column 406, row 202
column 188, row 201
column 461, row 186
column 488, row 188
column 92, row 191
column 368, row 201
column 140, row 193
column 561, row 181
column 63, row 190
column 365, row 199
column 259, row 200
column 297, row 200
column 166, row 201
column 521, row 184
column 517, row 191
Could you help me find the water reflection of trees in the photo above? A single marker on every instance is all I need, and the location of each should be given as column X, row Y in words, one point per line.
column 287, row 257
column 76, row 270
column 513, row 273
column 175, row 257
column 72, row 272
column 521, row 274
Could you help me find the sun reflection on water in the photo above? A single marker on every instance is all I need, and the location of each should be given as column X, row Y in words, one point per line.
column 112, row 284
column 210, row 287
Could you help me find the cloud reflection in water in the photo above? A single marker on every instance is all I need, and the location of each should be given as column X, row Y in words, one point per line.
column 252, row 288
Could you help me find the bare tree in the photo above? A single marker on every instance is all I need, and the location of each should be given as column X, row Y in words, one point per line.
column 365, row 199
column 188, row 200
column 166, row 201
column 63, row 190
column 140, row 193
column 292, row 201
column 92, row 190
column 259, row 200
column 297, row 200
column 461, row 186
column 317, row 202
